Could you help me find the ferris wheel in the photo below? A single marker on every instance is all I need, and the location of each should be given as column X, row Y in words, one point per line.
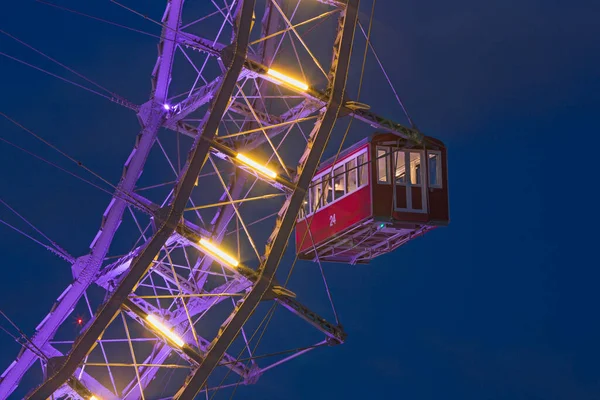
column 184, row 274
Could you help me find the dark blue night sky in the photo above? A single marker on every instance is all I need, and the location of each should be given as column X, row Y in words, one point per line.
column 502, row 304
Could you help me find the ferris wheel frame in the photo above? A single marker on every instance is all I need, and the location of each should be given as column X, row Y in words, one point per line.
column 121, row 279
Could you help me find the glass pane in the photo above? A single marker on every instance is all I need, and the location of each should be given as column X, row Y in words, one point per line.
column 317, row 190
column 304, row 209
column 434, row 164
column 400, row 164
column 383, row 175
column 363, row 170
column 339, row 183
column 328, row 196
column 415, row 168
column 351, row 176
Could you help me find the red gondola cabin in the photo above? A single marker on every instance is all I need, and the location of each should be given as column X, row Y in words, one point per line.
column 381, row 193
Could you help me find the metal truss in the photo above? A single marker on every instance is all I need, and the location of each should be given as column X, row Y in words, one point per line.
column 172, row 308
column 280, row 236
column 87, row 266
column 363, row 242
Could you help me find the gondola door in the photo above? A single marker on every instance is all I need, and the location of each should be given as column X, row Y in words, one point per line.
column 409, row 180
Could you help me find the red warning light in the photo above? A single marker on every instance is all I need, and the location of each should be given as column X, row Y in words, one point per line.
column 79, row 321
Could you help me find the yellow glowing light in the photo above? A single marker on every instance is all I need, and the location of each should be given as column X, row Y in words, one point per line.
column 94, row 398
column 251, row 163
column 218, row 253
column 286, row 79
column 164, row 330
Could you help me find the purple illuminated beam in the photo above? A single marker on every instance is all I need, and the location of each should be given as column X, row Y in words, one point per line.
column 169, row 216
column 86, row 267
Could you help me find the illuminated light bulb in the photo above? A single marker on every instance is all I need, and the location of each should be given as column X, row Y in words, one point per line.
column 251, row 163
column 166, row 107
column 164, row 330
column 218, row 253
column 94, row 398
column 286, row 79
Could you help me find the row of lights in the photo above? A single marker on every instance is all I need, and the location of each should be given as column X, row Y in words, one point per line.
column 206, row 245
column 209, row 248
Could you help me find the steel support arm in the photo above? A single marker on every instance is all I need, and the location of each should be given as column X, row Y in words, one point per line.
column 283, row 229
column 170, row 216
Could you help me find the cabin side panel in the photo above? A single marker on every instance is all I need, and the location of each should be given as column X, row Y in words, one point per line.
column 438, row 197
column 411, row 217
column 382, row 200
column 382, row 193
column 334, row 219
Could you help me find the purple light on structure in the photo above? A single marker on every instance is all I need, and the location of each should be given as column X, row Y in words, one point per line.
column 166, row 107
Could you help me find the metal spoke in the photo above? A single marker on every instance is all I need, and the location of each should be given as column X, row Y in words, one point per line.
column 282, row 124
column 245, row 200
column 308, row 21
column 184, row 296
column 91, row 364
column 257, row 120
column 187, row 313
column 235, row 208
column 135, row 365
column 293, row 29
column 101, row 344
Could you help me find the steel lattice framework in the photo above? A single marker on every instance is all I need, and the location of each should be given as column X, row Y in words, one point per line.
column 235, row 109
